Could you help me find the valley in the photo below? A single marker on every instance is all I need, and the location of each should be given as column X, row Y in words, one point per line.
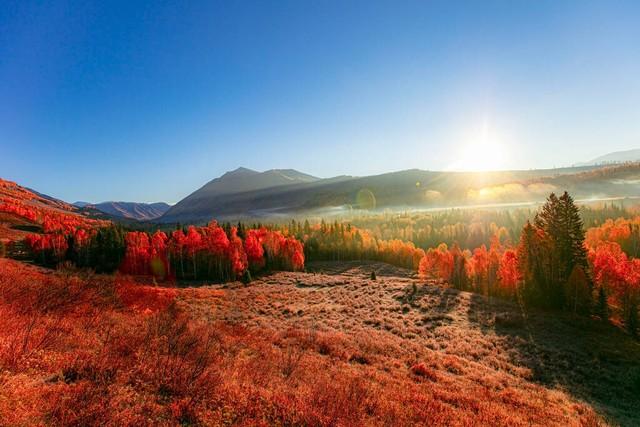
column 319, row 214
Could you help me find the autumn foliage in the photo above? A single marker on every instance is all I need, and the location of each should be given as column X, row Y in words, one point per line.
column 53, row 216
column 338, row 242
column 492, row 272
column 623, row 231
column 618, row 280
column 210, row 253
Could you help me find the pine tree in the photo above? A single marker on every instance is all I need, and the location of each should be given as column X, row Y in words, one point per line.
column 632, row 319
column 578, row 290
column 549, row 220
column 603, row 308
column 534, row 263
column 246, row 277
column 563, row 242
column 574, row 253
column 573, row 234
column 241, row 230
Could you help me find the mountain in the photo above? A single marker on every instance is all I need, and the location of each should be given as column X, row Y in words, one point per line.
column 198, row 205
column 617, row 157
column 243, row 179
column 403, row 190
column 129, row 210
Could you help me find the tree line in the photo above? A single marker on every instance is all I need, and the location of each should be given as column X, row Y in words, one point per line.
column 212, row 252
column 554, row 263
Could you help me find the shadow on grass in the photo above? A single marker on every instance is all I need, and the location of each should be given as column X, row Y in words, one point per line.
column 592, row 360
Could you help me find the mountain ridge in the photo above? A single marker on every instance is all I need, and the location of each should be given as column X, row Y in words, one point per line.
column 240, row 180
column 408, row 189
column 632, row 155
column 128, row 210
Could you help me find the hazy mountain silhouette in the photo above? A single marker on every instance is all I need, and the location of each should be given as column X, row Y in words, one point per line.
column 616, row 157
column 243, row 194
column 241, row 180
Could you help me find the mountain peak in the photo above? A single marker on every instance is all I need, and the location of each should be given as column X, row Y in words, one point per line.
column 241, row 171
column 241, row 180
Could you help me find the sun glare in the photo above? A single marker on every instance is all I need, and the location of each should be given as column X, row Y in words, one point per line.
column 482, row 156
column 483, row 150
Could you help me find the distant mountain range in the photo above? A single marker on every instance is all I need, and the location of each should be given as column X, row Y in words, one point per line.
column 128, row 210
column 246, row 194
column 616, row 157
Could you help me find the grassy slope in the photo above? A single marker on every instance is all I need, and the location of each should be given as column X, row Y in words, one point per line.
column 14, row 227
column 533, row 366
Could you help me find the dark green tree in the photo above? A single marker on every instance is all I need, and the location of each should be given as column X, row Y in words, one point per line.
column 632, row 319
column 602, row 306
column 563, row 235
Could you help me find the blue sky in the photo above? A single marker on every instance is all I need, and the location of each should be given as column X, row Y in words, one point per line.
column 124, row 100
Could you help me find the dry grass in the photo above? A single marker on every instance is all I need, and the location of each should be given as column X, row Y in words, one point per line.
column 485, row 358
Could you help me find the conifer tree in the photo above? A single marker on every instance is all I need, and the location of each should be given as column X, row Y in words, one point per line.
column 602, row 308
column 533, row 263
column 632, row 319
column 578, row 290
column 563, row 235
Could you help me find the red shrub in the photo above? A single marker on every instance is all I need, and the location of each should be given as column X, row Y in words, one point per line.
column 144, row 299
column 422, row 370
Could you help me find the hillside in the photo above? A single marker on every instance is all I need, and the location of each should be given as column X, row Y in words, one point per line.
column 407, row 190
column 129, row 210
column 24, row 211
column 330, row 347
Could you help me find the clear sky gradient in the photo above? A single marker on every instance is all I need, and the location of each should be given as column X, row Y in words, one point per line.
column 111, row 100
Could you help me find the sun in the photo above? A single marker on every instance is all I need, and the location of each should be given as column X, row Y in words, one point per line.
column 482, row 150
column 482, row 156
